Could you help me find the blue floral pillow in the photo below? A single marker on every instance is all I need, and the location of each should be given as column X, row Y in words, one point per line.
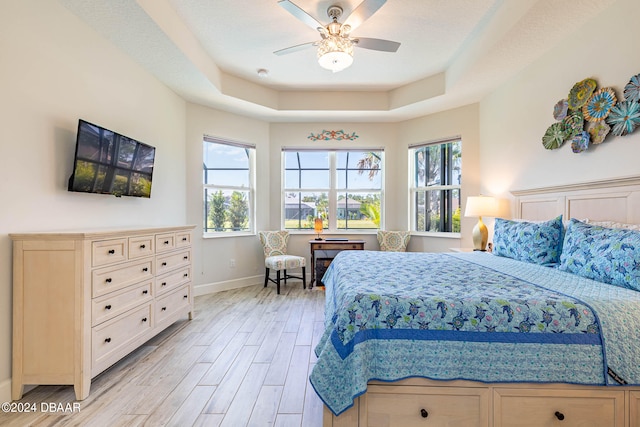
column 609, row 255
column 533, row 242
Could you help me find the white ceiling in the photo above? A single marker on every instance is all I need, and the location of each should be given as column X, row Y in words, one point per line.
column 452, row 52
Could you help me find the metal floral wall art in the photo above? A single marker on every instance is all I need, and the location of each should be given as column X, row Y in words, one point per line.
column 624, row 117
column 338, row 135
column 599, row 105
column 580, row 93
column 632, row 89
column 596, row 110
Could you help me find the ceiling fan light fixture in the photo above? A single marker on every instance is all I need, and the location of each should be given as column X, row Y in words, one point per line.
column 335, row 53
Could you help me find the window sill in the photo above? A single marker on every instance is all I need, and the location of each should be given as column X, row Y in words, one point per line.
column 437, row 235
column 222, row 235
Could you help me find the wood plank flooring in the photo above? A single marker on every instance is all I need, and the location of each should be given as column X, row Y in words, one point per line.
column 244, row 360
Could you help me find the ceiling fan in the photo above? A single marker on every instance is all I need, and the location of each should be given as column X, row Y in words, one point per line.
column 335, row 49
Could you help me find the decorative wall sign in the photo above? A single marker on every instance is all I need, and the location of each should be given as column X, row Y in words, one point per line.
column 338, row 135
column 599, row 109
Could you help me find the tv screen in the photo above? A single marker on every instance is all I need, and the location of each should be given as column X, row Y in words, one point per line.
column 109, row 163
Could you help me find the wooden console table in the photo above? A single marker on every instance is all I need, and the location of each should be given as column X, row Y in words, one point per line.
column 331, row 245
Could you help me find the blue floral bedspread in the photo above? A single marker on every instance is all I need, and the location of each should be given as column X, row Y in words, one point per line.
column 471, row 316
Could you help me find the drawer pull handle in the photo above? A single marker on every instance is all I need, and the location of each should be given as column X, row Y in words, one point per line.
column 186, row 296
column 424, row 413
column 107, row 307
column 164, row 264
column 145, row 269
column 184, row 239
column 144, row 319
column 185, row 258
column 107, row 340
column 164, row 308
column 112, row 251
column 145, row 292
column 108, row 280
column 164, row 284
column 559, row 415
column 143, row 246
column 185, row 275
column 166, row 242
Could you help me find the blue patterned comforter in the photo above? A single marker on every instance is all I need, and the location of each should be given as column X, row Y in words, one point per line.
column 470, row 316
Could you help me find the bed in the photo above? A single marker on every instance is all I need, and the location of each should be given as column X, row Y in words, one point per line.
column 532, row 336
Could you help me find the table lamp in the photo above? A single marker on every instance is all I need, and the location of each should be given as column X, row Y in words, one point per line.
column 317, row 227
column 481, row 206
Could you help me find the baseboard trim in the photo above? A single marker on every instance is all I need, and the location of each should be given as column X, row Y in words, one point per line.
column 212, row 288
column 5, row 390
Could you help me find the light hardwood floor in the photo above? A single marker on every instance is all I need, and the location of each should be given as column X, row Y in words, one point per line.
column 244, row 360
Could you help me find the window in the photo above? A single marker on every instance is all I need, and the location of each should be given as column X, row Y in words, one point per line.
column 435, row 186
column 343, row 187
column 228, row 186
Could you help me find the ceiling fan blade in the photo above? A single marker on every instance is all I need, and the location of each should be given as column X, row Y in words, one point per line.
column 296, row 11
column 295, row 48
column 363, row 12
column 376, row 44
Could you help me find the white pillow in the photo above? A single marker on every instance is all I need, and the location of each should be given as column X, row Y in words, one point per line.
column 614, row 224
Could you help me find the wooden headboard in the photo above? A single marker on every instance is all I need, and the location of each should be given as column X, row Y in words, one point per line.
column 616, row 199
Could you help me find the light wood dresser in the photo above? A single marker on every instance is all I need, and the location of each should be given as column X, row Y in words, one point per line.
column 84, row 300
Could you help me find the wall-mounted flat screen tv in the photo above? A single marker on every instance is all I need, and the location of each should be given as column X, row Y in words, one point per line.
column 109, row 163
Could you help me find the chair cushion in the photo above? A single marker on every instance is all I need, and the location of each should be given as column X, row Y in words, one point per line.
column 274, row 242
column 284, row 262
column 393, row 241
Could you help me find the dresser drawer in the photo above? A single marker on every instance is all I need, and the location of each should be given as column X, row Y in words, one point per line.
column 173, row 260
column 390, row 406
column 172, row 280
column 515, row 408
column 183, row 239
column 113, row 339
column 141, row 246
column 109, row 279
column 106, row 252
column 172, row 303
column 116, row 303
column 634, row 408
column 165, row 242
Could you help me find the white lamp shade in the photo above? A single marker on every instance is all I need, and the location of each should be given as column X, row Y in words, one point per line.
column 479, row 206
column 335, row 53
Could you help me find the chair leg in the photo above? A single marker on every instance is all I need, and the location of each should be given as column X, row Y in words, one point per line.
column 266, row 278
column 285, row 277
column 278, row 281
column 304, row 279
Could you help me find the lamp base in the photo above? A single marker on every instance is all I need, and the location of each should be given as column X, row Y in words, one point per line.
column 480, row 236
column 318, row 238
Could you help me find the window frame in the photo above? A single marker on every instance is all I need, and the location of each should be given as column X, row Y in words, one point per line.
column 250, row 190
column 414, row 188
column 332, row 191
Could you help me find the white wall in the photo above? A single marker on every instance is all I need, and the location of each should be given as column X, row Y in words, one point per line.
column 514, row 118
column 54, row 70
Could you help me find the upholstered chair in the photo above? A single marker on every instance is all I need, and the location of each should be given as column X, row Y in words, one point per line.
column 393, row 241
column 274, row 244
